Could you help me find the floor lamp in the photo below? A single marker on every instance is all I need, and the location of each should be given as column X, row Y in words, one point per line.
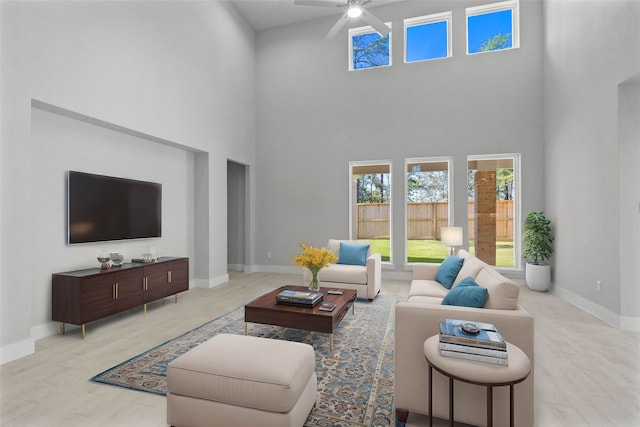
column 451, row 236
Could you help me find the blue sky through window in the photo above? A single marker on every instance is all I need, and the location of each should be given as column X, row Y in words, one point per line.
column 427, row 41
column 481, row 28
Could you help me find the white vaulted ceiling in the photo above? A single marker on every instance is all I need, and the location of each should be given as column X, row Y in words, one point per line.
column 263, row 14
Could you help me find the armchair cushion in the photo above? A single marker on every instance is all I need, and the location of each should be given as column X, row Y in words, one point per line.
column 466, row 293
column 353, row 253
column 448, row 271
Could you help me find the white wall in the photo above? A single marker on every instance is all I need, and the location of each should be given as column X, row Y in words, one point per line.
column 178, row 72
column 591, row 47
column 314, row 116
column 60, row 144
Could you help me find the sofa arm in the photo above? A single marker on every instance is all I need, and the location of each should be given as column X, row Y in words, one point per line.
column 374, row 275
column 425, row 271
column 415, row 322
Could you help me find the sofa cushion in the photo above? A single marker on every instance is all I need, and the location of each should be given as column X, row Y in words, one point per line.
column 353, row 253
column 448, row 270
column 429, row 288
column 470, row 268
column 334, row 245
column 466, row 293
column 344, row 273
column 503, row 293
column 420, row 299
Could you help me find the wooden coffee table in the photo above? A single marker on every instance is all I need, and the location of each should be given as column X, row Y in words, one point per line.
column 264, row 310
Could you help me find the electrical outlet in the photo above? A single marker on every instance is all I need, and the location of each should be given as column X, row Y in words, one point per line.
column 598, row 286
column 269, row 254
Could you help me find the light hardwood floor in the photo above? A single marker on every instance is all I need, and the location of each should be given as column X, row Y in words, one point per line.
column 586, row 372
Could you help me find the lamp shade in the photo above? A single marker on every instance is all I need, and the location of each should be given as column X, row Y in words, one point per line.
column 451, row 236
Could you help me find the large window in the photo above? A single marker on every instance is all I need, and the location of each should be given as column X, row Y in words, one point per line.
column 370, row 206
column 493, row 27
column 368, row 49
column 427, row 37
column 493, row 209
column 428, row 209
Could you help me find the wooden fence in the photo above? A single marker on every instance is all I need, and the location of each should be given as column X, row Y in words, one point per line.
column 425, row 219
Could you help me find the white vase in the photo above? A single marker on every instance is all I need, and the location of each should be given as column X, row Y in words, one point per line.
column 538, row 277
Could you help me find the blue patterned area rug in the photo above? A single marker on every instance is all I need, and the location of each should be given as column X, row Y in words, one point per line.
column 355, row 381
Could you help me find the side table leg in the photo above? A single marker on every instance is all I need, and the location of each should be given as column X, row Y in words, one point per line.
column 450, row 402
column 511, row 417
column 489, row 406
column 430, row 396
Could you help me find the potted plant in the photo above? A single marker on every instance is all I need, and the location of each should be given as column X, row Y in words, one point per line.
column 537, row 247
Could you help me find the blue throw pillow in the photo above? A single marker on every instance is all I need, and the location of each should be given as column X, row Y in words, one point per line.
column 466, row 293
column 353, row 253
column 448, row 271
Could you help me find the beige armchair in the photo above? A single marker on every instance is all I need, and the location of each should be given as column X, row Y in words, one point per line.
column 365, row 279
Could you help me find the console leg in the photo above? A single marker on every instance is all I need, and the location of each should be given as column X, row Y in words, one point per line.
column 145, row 309
column 62, row 328
column 331, row 343
column 83, row 331
column 176, row 298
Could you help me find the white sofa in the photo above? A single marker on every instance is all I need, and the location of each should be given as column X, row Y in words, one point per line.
column 418, row 319
column 365, row 279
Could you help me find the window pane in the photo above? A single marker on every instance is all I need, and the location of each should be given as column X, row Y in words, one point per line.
column 427, row 209
column 369, row 50
column 490, row 31
column 371, row 206
column 426, row 41
column 491, row 210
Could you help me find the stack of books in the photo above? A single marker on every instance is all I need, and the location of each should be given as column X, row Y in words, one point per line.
column 486, row 345
column 302, row 299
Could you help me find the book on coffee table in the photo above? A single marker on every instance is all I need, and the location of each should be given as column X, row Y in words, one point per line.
column 305, row 299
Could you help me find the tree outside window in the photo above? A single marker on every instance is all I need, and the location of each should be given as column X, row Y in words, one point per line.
column 368, row 49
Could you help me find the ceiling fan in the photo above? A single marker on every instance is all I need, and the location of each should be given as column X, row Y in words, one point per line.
column 354, row 9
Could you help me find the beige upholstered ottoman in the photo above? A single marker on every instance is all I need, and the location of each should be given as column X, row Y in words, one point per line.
column 237, row 380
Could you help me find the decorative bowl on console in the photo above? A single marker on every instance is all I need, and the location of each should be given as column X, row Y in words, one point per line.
column 116, row 258
column 104, row 261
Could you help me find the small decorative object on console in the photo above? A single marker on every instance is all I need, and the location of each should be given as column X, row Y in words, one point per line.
column 315, row 259
column 104, row 259
column 116, row 258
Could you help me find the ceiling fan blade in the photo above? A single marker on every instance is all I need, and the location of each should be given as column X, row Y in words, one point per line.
column 321, row 3
column 376, row 23
column 337, row 27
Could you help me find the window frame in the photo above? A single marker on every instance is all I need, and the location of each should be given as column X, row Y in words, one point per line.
column 450, row 207
column 513, row 5
column 352, row 203
column 425, row 20
column 367, row 29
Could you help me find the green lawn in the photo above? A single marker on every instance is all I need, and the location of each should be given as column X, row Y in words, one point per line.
column 434, row 251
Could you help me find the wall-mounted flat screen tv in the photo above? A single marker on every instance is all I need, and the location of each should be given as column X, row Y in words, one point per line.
column 102, row 208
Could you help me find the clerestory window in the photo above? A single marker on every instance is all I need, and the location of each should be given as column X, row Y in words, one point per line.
column 427, row 37
column 493, row 27
column 368, row 49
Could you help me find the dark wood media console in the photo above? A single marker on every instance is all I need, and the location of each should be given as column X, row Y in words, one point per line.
column 82, row 296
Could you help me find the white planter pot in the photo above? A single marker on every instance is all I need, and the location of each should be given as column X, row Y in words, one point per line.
column 538, row 277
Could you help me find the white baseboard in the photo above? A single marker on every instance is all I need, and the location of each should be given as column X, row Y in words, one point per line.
column 211, row 282
column 45, row 330
column 628, row 323
column 621, row 322
column 15, row 351
column 276, row 269
column 235, row 267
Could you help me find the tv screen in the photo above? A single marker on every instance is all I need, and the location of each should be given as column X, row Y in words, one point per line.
column 103, row 208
